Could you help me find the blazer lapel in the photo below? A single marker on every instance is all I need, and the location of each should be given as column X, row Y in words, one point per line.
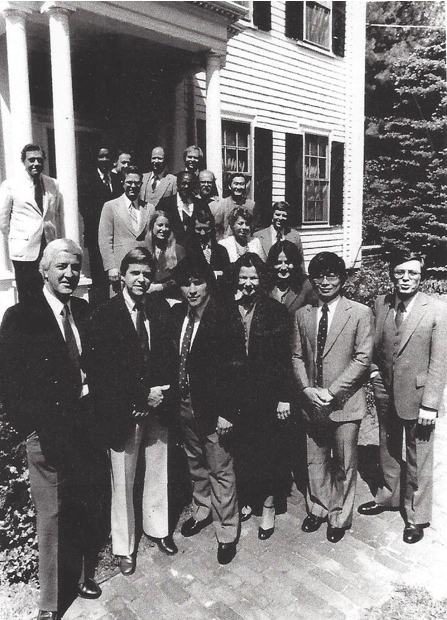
column 123, row 212
column 413, row 320
column 341, row 317
column 311, row 325
column 144, row 212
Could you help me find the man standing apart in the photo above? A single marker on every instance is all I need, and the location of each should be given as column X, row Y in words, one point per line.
column 132, row 365
column 332, row 351
column 31, row 216
column 157, row 183
column 44, row 392
column 408, row 375
column 210, row 359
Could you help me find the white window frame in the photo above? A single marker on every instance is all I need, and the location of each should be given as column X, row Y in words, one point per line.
column 249, row 147
column 326, row 221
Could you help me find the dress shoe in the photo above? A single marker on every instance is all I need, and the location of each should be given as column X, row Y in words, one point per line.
column 47, row 615
column 371, row 508
column 127, row 564
column 226, row 552
column 335, row 534
column 413, row 533
column 246, row 513
column 191, row 527
column 312, row 523
column 265, row 534
column 89, row 589
column 166, row 544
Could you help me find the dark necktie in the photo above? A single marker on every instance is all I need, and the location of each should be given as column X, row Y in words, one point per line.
column 278, row 236
column 321, row 341
column 186, row 342
column 399, row 318
column 141, row 330
column 154, row 183
column 73, row 351
column 106, row 181
column 38, row 196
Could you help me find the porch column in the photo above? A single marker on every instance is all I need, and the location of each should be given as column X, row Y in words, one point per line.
column 63, row 112
column 213, row 117
column 21, row 131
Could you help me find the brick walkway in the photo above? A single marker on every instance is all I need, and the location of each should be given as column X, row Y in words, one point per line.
column 292, row 576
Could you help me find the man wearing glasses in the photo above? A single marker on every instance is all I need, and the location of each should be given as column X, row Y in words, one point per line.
column 332, row 352
column 408, row 375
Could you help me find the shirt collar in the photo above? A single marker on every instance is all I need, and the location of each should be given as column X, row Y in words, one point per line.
column 408, row 303
column 55, row 304
column 130, row 303
column 198, row 313
column 332, row 304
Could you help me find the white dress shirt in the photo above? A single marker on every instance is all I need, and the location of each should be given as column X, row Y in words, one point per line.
column 130, row 304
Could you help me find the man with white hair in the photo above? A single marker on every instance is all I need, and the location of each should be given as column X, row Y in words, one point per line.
column 44, row 392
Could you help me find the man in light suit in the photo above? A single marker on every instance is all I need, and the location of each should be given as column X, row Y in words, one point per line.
column 123, row 226
column 157, row 183
column 45, row 395
column 30, row 216
column 279, row 230
column 131, row 360
column 332, row 352
column 408, row 374
column 237, row 184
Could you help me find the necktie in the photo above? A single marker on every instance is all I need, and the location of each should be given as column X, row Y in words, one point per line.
column 207, row 253
column 186, row 342
column 154, row 183
column 38, row 196
column 321, row 341
column 399, row 318
column 141, row 330
column 278, row 237
column 134, row 212
column 73, row 351
column 106, row 181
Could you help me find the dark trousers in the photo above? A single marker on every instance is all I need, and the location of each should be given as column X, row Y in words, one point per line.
column 99, row 291
column 29, row 281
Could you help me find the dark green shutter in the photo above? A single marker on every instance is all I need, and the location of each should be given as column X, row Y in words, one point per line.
column 295, row 20
column 263, row 180
column 336, row 183
column 294, row 177
column 338, row 28
column 262, row 15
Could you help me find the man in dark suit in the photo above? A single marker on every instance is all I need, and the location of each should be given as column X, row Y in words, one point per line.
column 279, row 230
column 157, row 183
column 182, row 206
column 123, row 159
column 332, row 351
column 132, row 366
column 44, row 391
column 408, row 374
column 100, row 187
column 209, row 362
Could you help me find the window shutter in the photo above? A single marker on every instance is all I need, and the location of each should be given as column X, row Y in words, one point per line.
column 294, row 177
column 338, row 28
column 262, row 15
column 336, row 183
column 295, row 20
column 201, row 136
column 263, row 173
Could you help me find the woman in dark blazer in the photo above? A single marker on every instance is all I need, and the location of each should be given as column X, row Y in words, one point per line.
column 265, row 391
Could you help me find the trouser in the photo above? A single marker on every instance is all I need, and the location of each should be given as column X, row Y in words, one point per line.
column 152, row 437
column 332, row 461
column 99, row 291
column 29, row 281
column 419, row 442
column 212, row 474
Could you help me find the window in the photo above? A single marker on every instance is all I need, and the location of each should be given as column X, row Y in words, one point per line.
column 316, row 179
column 235, row 147
column 319, row 23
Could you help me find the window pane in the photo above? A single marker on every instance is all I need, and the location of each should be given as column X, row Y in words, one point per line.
column 231, row 161
column 317, row 24
column 242, row 161
column 230, row 137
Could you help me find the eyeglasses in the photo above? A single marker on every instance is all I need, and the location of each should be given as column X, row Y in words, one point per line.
column 132, row 183
column 332, row 278
column 400, row 273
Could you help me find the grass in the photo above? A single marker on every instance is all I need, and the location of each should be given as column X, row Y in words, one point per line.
column 409, row 603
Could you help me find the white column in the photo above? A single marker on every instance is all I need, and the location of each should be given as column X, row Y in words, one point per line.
column 213, row 117
column 63, row 112
column 18, row 78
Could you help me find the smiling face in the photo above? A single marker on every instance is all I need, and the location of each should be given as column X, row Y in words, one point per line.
column 158, row 160
column 137, row 280
column 283, row 268
column 241, row 230
column 237, row 187
column 162, row 228
column 192, row 159
column 33, row 163
column 186, row 186
column 132, row 184
column 62, row 276
column 279, row 219
column 206, row 181
column 248, row 283
column 327, row 285
column 407, row 278
column 196, row 292
column 104, row 160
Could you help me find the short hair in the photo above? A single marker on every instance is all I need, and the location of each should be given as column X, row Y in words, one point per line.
column 55, row 246
column 293, row 255
column 32, row 147
column 133, row 170
column 208, row 172
column 250, row 259
column 193, row 147
column 191, row 269
column 104, row 147
column 403, row 255
column 327, row 262
column 234, row 175
column 238, row 212
column 281, row 205
column 182, row 173
column 137, row 256
column 120, row 152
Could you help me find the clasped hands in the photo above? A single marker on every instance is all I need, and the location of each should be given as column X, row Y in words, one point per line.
column 154, row 400
column 318, row 397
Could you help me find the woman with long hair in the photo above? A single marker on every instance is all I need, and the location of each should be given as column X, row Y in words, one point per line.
column 166, row 252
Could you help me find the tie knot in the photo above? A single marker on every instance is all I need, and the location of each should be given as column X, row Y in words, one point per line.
column 401, row 306
column 325, row 309
column 65, row 310
column 139, row 305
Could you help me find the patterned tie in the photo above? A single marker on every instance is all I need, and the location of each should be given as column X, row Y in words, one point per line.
column 134, row 212
column 186, row 342
column 321, row 341
column 207, row 253
column 141, row 330
column 38, row 195
column 399, row 318
column 73, row 351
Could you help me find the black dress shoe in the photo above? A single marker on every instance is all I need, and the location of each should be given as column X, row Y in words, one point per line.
column 89, row 589
column 265, row 534
column 371, row 508
column 47, row 615
column 166, row 544
column 191, row 527
column 413, row 533
column 127, row 565
column 335, row 534
column 226, row 552
column 312, row 523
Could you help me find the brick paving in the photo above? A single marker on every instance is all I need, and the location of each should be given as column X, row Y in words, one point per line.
column 291, row 576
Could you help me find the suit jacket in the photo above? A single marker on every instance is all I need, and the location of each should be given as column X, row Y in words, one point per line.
column 94, row 194
column 222, row 208
column 213, row 365
column 181, row 231
column 265, row 237
column 36, row 378
column 229, row 243
column 346, row 358
column 167, row 186
column 294, row 300
column 415, row 371
column 119, row 377
column 116, row 234
column 21, row 219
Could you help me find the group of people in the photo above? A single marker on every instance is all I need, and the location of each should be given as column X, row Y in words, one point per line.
column 218, row 335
